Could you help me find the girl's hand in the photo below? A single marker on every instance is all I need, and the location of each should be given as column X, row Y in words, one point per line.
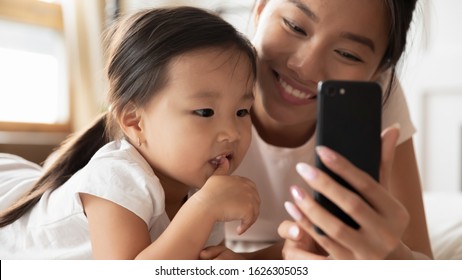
column 230, row 198
column 382, row 218
column 219, row 253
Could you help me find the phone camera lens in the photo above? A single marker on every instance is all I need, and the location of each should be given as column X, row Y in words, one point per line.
column 331, row 91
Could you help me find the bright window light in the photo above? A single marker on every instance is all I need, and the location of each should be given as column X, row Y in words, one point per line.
column 29, row 90
column 32, row 75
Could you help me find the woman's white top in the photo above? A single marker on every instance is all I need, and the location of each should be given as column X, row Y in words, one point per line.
column 57, row 228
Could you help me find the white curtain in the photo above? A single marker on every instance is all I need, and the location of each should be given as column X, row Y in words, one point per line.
column 84, row 23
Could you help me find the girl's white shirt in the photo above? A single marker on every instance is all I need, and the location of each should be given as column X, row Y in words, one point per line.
column 57, row 228
column 273, row 171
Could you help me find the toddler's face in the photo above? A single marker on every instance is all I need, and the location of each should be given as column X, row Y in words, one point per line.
column 200, row 119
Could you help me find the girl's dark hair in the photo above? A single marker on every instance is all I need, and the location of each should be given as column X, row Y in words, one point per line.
column 139, row 50
column 400, row 12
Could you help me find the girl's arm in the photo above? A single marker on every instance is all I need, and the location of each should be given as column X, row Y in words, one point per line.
column 117, row 233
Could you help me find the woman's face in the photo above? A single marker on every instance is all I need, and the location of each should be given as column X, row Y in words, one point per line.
column 302, row 42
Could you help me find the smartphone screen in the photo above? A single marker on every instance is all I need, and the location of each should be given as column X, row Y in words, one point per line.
column 349, row 122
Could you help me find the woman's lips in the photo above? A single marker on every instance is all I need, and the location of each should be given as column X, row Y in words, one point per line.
column 293, row 93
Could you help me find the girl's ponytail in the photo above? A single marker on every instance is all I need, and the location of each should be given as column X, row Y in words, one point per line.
column 72, row 155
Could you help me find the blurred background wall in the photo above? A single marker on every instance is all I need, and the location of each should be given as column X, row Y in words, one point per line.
column 430, row 74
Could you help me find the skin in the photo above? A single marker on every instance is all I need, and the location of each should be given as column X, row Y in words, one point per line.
column 201, row 114
column 299, row 43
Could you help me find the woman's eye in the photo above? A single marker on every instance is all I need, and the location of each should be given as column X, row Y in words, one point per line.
column 242, row 113
column 206, row 113
column 348, row 56
column 294, row 27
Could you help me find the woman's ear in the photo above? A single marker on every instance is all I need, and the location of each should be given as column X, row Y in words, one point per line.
column 258, row 8
column 386, row 68
column 130, row 122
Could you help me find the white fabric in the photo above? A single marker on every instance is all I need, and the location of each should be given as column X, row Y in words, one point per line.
column 17, row 176
column 56, row 228
column 444, row 221
column 273, row 171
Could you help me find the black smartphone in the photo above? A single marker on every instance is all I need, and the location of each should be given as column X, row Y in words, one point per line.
column 349, row 122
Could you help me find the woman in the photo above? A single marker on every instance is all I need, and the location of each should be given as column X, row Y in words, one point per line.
column 299, row 43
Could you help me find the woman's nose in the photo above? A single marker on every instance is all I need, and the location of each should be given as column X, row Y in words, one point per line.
column 308, row 62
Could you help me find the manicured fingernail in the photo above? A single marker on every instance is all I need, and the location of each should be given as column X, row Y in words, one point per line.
column 306, row 171
column 293, row 211
column 294, row 231
column 396, row 125
column 297, row 193
column 326, row 154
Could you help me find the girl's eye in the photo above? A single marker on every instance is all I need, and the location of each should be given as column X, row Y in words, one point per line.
column 206, row 113
column 294, row 27
column 348, row 56
column 243, row 113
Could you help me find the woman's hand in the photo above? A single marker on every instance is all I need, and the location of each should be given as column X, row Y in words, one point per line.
column 382, row 218
column 230, row 198
column 298, row 244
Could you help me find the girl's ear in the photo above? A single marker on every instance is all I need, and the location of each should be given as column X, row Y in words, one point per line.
column 130, row 122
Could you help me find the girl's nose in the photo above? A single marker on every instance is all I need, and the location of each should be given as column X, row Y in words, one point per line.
column 228, row 132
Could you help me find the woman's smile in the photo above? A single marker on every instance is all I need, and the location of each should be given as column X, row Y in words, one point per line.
column 294, row 93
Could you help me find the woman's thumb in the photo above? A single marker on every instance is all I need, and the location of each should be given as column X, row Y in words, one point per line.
column 389, row 139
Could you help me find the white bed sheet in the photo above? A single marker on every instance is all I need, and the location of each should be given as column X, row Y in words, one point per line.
column 444, row 221
column 443, row 210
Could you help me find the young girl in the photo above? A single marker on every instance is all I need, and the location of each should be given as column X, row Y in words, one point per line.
column 299, row 43
column 180, row 92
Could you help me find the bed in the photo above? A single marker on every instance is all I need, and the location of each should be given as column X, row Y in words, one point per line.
column 444, row 221
column 443, row 209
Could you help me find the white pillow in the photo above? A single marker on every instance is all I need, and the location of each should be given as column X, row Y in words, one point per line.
column 17, row 176
column 444, row 221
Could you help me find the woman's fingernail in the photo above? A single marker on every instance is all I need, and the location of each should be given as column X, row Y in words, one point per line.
column 297, row 193
column 326, row 154
column 306, row 171
column 294, row 231
column 395, row 126
column 293, row 211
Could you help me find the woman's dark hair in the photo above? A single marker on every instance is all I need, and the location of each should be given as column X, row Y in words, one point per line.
column 140, row 48
column 400, row 12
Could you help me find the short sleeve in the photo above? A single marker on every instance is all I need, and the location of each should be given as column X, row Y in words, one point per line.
column 126, row 183
column 395, row 109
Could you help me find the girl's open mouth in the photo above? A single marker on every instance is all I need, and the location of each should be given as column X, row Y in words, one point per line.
column 217, row 161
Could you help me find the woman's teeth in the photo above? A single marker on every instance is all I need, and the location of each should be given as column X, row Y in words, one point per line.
column 295, row 92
